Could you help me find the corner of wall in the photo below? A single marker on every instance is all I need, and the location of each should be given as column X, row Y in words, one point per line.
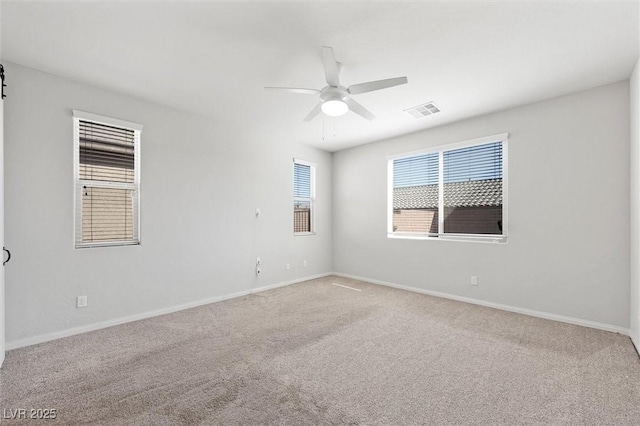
column 634, row 137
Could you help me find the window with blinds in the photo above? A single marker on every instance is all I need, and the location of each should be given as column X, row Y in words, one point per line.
column 451, row 192
column 107, row 153
column 303, row 197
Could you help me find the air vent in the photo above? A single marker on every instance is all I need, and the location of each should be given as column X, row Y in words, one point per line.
column 422, row 110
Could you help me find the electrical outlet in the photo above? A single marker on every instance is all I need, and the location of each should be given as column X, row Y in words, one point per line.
column 474, row 280
column 304, row 263
column 81, row 302
column 288, row 267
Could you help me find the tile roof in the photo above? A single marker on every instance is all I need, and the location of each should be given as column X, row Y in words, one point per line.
column 473, row 193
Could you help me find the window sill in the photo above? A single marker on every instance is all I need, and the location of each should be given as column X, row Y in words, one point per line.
column 497, row 239
column 300, row 234
column 108, row 244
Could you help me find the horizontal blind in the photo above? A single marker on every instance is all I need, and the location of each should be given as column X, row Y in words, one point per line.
column 416, row 171
column 301, row 180
column 478, row 162
column 107, row 214
column 107, row 153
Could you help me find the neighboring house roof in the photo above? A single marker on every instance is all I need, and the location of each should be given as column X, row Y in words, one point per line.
column 475, row 193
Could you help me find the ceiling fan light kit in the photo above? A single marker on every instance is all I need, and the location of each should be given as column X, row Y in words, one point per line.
column 334, row 107
column 336, row 100
column 333, row 101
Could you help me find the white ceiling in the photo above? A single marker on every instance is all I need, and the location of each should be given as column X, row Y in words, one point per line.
column 214, row 58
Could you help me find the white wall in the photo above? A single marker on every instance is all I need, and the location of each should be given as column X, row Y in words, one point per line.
column 634, row 91
column 201, row 182
column 568, row 249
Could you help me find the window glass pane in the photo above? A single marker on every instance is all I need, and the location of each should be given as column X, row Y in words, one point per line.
column 473, row 189
column 302, row 216
column 415, row 194
column 416, row 221
column 107, row 214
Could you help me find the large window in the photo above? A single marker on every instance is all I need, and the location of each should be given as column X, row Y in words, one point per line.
column 452, row 192
column 304, row 188
column 107, row 180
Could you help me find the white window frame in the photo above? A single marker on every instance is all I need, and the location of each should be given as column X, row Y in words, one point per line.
column 79, row 183
column 311, row 200
column 484, row 238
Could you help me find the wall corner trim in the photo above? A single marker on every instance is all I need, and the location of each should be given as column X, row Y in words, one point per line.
column 42, row 338
column 508, row 308
column 635, row 340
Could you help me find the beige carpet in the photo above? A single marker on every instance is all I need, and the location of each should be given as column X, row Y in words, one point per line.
column 315, row 353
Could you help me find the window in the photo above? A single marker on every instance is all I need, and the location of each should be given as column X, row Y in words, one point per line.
column 107, row 181
column 304, row 188
column 452, row 192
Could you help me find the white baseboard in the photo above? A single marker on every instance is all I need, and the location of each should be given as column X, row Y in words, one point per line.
column 15, row 344
column 524, row 311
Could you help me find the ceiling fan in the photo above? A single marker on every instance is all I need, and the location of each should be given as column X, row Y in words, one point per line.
column 336, row 100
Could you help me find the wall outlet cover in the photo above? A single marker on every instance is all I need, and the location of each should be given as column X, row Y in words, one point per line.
column 81, row 302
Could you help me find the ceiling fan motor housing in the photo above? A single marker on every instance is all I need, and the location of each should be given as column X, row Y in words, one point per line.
column 331, row 93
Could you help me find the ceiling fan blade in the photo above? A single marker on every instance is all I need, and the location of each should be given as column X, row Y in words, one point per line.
column 330, row 67
column 315, row 111
column 359, row 109
column 370, row 86
column 296, row 90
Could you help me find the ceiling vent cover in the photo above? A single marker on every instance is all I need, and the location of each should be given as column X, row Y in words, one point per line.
column 422, row 110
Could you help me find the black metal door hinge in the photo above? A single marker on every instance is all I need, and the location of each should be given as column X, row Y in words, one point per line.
column 2, row 78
